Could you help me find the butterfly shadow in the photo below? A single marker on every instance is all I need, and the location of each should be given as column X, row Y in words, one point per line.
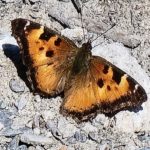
column 12, row 52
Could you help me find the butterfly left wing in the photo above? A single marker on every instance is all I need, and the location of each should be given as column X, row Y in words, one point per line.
column 101, row 88
column 46, row 54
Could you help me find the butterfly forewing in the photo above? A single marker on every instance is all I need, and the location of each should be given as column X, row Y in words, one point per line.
column 47, row 55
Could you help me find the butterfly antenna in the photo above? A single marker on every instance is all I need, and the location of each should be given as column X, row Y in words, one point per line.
column 81, row 13
column 104, row 32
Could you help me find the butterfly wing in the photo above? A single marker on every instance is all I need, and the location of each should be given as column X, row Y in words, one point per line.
column 101, row 88
column 47, row 55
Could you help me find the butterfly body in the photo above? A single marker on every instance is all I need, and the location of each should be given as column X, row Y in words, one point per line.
column 82, row 59
column 90, row 84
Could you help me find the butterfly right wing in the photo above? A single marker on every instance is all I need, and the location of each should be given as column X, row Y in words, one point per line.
column 102, row 87
column 47, row 55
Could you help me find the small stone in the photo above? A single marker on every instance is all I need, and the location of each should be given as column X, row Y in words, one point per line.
column 2, row 105
column 31, row 148
column 81, row 137
column 35, row 139
column 36, row 131
column 92, row 136
column 104, row 147
column 37, row 98
column 16, row 86
column 48, row 115
column 36, row 122
column 1, row 126
column 8, row 132
column 5, row 118
column 89, row 127
column 34, row 1
column 22, row 102
column 14, row 143
column 29, row 124
column 8, row 1
column 71, row 140
column 63, row 125
column 39, row 147
column 52, row 126
column 66, row 1
column 22, row 147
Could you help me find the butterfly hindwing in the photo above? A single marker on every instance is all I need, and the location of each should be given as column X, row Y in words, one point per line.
column 102, row 88
column 47, row 55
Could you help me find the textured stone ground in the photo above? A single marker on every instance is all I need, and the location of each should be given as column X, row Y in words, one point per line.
column 31, row 122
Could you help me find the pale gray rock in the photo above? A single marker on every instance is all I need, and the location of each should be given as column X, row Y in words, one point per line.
column 30, row 138
column 8, row 1
column 71, row 140
column 8, row 132
column 2, row 105
column 22, row 147
column 39, row 148
column 16, row 86
column 64, row 1
column 93, row 136
column 31, row 148
column 5, row 119
column 34, row 1
column 81, row 137
column 13, row 145
column 104, row 147
column 21, row 103
column 1, row 126
column 36, row 121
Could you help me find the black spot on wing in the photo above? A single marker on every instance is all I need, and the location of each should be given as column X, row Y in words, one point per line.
column 41, row 48
column 105, row 70
column 57, row 42
column 108, row 88
column 117, row 76
column 49, row 53
column 100, row 83
column 47, row 34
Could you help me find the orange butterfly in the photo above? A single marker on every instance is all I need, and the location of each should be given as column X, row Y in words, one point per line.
column 90, row 84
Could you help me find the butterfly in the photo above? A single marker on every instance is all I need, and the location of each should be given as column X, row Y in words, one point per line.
column 90, row 84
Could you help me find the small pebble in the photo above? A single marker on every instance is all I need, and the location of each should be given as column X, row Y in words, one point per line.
column 22, row 147
column 31, row 148
column 36, row 121
column 37, row 98
column 104, row 147
column 39, row 148
column 14, row 143
column 16, row 86
column 36, row 131
column 1, row 126
column 81, row 137
column 2, row 105
column 36, row 139
column 92, row 136
column 71, row 140
column 22, row 102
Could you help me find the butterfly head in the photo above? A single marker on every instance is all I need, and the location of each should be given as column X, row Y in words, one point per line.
column 87, row 46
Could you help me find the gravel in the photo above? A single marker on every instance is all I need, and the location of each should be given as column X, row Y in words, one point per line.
column 31, row 122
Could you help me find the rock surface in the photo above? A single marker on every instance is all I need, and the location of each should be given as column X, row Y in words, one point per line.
column 29, row 121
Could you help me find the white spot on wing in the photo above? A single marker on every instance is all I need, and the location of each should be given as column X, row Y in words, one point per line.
column 27, row 24
column 136, row 87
